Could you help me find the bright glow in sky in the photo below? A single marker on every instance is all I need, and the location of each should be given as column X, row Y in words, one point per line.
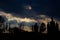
column 28, row 7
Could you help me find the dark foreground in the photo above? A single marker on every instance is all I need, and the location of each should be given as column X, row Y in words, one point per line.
column 23, row 35
column 31, row 36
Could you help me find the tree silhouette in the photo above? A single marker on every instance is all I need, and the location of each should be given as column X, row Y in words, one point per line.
column 52, row 26
column 1, row 19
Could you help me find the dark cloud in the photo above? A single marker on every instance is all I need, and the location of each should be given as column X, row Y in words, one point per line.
column 47, row 7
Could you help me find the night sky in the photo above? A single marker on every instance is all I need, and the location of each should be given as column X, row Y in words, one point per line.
column 16, row 7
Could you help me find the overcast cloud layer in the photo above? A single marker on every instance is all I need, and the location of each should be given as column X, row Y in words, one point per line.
column 17, row 7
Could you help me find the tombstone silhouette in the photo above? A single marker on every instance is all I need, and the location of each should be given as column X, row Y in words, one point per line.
column 15, row 30
column 35, row 27
column 32, row 28
column 42, row 27
column 10, row 30
column 1, row 23
column 52, row 26
column 57, row 30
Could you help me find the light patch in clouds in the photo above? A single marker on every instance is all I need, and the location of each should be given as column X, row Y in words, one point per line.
column 9, row 16
column 26, row 28
column 45, row 19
